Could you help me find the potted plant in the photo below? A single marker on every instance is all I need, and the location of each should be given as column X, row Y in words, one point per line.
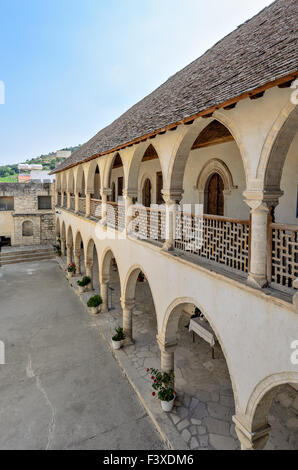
column 83, row 283
column 163, row 385
column 94, row 303
column 71, row 269
column 118, row 338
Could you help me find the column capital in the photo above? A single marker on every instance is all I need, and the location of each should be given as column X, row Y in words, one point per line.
column 130, row 193
column 251, row 440
column 128, row 304
column 262, row 200
column 172, row 196
column 106, row 192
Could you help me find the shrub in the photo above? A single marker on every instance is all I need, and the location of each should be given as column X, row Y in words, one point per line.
column 94, row 301
column 120, row 335
column 84, row 282
column 71, row 268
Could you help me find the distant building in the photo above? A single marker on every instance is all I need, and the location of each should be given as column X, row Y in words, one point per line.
column 36, row 174
column 26, row 214
column 63, row 154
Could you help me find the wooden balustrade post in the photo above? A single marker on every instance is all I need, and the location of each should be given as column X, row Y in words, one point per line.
column 171, row 199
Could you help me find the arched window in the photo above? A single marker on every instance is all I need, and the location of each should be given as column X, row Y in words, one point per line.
column 27, row 228
column 147, row 193
column 215, row 195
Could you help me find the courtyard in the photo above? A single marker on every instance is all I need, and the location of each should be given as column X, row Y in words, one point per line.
column 60, row 387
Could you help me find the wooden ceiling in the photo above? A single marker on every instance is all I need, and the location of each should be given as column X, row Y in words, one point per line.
column 215, row 133
column 150, row 154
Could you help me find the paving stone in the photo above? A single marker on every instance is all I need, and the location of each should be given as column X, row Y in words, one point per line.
column 186, row 401
column 200, row 411
column 215, row 426
column 227, row 401
column 194, row 403
column 204, row 440
column 175, row 418
column 204, row 396
column 202, row 430
column 183, row 412
column 194, row 443
column 218, row 411
column 233, row 432
column 222, row 442
column 292, row 423
column 196, row 422
column 215, row 396
column 193, row 430
column 186, row 435
column 183, row 424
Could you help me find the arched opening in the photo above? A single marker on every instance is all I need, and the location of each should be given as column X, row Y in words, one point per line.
column 92, row 264
column 27, row 228
column 58, row 231
column 63, row 241
column 111, row 286
column 215, row 195
column 146, row 193
column 279, row 170
column 116, row 178
column 202, row 380
column 79, row 255
column 97, row 184
column 139, row 315
column 278, row 408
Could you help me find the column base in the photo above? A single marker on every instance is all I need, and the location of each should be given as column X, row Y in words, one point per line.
column 251, row 440
column 258, row 282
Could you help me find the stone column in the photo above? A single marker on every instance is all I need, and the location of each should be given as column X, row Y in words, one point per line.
column 76, row 203
column 68, row 200
column 127, row 307
column 89, row 273
column 105, row 192
column 69, row 254
column 251, row 439
column 63, row 247
column 62, row 199
column 104, row 288
column 77, row 261
column 129, row 195
column 88, row 204
column 171, row 199
column 56, row 199
column 295, row 298
column 261, row 209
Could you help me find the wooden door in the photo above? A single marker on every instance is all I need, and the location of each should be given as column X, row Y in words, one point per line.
column 159, row 186
column 120, row 186
column 147, row 193
column 215, row 203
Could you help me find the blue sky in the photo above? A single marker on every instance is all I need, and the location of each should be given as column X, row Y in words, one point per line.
column 70, row 67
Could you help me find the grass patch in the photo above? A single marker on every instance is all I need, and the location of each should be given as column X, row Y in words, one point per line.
column 9, row 179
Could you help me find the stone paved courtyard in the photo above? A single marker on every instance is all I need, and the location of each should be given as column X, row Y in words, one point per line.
column 205, row 405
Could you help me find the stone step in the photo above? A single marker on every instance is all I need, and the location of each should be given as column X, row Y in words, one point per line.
column 25, row 253
column 27, row 260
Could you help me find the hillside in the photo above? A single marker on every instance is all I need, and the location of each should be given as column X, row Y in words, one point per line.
column 9, row 173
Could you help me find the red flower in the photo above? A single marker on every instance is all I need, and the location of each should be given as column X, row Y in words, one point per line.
column 152, row 378
column 175, row 393
column 153, row 394
column 155, row 381
column 148, row 370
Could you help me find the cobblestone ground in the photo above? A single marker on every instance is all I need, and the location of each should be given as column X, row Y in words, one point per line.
column 205, row 405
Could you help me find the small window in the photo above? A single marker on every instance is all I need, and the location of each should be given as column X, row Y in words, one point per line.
column 44, row 202
column 6, row 203
column 27, row 228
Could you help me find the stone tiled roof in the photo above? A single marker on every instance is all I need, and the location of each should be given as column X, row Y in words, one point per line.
column 260, row 51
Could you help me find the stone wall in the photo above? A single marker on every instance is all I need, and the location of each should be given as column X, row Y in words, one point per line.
column 26, row 210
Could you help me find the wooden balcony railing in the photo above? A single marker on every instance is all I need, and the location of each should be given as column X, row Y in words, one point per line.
column 59, row 200
column 149, row 223
column 116, row 216
column 72, row 203
column 282, row 255
column 64, row 201
column 223, row 240
column 82, row 205
column 96, row 208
